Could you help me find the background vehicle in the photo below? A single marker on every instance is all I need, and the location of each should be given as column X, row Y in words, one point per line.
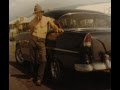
column 85, row 46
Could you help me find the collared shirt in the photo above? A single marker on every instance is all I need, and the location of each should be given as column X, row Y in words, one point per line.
column 40, row 27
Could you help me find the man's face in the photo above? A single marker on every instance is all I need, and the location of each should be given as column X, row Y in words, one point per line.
column 38, row 14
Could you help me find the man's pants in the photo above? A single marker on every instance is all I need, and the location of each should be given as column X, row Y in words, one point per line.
column 40, row 62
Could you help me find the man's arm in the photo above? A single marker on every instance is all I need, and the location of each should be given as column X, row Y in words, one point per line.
column 54, row 26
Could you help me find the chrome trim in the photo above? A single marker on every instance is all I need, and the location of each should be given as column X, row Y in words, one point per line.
column 99, row 66
column 83, row 67
column 96, row 66
column 63, row 50
column 84, row 29
column 107, row 61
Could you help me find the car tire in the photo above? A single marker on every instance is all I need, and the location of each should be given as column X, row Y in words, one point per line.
column 18, row 55
column 55, row 70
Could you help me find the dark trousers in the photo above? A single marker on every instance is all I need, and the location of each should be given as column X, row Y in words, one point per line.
column 38, row 66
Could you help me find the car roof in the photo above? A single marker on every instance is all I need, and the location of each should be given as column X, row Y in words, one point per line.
column 56, row 14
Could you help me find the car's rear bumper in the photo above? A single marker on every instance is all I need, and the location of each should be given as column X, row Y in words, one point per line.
column 96, row 66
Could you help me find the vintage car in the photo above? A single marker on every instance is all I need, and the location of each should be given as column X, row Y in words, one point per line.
column 85, row 45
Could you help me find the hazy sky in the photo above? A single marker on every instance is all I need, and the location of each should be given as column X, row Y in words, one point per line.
column 25, row 7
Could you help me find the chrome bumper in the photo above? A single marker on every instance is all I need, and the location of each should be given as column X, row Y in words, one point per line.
column 93, row 66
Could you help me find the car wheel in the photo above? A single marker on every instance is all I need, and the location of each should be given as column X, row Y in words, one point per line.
column 56, row 70
column 18, row 55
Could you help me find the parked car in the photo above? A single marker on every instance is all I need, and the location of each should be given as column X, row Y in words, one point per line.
column 85, row 46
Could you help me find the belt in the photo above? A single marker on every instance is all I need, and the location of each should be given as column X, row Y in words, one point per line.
column 38, row 38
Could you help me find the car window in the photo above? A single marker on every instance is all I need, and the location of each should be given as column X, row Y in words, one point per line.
column 85, row 20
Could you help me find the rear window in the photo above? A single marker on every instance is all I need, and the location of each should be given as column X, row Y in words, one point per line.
column 85, row 20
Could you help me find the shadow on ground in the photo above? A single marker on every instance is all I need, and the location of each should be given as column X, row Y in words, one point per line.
column 83, row 81
column 72, row 80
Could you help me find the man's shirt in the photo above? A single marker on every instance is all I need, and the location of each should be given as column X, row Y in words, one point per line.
column 40, row 27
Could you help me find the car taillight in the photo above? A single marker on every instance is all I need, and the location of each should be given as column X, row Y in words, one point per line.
column 87, row 40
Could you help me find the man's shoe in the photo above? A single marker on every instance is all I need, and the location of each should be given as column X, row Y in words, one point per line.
column 38, row 82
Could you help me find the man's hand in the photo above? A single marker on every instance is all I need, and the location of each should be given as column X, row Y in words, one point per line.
column 56, row 27
column 60, row 30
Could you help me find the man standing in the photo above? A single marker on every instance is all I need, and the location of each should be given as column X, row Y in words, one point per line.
column 38, row 27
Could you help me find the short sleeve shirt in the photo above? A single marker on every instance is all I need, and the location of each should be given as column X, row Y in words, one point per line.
column 40, row 29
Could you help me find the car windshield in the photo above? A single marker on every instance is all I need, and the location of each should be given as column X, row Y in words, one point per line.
column 85, row 20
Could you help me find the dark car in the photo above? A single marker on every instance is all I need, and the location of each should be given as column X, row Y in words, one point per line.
column 85, row 46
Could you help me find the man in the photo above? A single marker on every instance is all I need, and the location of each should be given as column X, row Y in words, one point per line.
column 38, row 27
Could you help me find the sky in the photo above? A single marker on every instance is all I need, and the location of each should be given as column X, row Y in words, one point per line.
column 19, row 8
column 102, row 7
